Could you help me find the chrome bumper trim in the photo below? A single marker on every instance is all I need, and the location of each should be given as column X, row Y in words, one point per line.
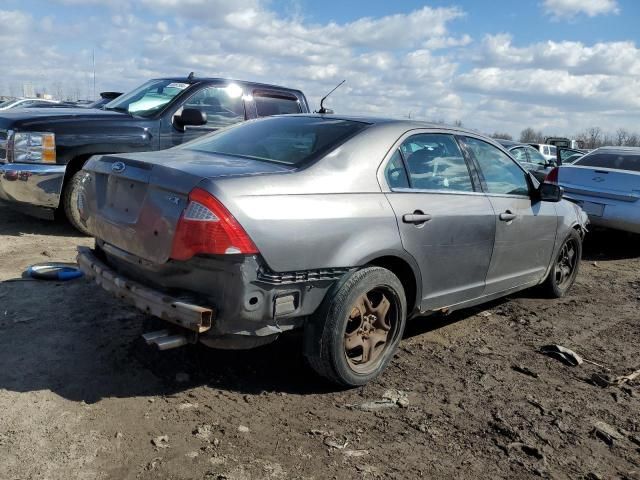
column 32, row 184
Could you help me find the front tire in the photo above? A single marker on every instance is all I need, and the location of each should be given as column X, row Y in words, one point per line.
column 564, row 270
column 70, row 202
column 352, row 337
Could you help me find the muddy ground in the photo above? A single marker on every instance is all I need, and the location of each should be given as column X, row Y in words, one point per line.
column 82, row 397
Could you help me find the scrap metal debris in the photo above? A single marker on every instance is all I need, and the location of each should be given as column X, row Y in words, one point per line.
column 524, row 370
column 603, row 380
column 336, row 443
column 569, row 357
column 606, row 433
column 161, row 442
column 391, row 398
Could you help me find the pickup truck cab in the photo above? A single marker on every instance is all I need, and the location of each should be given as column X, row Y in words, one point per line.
column 42, row 151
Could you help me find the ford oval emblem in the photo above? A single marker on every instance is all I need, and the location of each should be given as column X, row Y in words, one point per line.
column 118, row 167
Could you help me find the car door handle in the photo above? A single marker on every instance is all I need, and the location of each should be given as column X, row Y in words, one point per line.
column 416, row 218
column 507, row 216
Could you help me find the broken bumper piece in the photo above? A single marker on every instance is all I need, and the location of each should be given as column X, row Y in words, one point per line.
column 153, row 302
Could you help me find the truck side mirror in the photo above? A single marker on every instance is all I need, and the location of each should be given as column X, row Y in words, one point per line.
column 191, row 116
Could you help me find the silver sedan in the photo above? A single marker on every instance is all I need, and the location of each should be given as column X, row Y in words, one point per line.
column 606, row 184
column 344, row 227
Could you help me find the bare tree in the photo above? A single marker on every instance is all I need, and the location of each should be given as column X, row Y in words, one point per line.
column 501, row 135
column 457, row 123
column 529, row 135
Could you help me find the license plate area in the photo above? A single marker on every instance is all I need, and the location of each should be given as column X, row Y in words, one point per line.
column 125, row 198
column 593, row 209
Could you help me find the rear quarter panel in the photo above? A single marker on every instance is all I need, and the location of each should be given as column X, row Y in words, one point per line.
column 330, row 214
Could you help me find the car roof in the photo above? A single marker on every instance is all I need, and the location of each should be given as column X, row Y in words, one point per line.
column 372, row 120
column 510, row 143
column 197, row 80
column 621, row 150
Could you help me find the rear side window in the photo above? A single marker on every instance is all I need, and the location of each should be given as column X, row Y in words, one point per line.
column 536, row 157
column 395, row 172
column 620, row 161
column 435, row 162
column 519, row 154
column 501, row 174
column 267, row 105
column 286, row 140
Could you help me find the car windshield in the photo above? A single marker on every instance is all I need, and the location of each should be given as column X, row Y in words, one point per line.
column 6, row 104
column 287, row 140
column 620, row 161
column 148, row 99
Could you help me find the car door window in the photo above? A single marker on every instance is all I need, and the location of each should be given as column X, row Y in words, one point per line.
column 268, row 104
column 435, row 162
column 501, row 174
column 519, row 154
column 536, row 157
column 222, row 106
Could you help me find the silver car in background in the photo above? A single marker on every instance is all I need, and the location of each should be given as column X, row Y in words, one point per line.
column 606, row 184
column 341, row 226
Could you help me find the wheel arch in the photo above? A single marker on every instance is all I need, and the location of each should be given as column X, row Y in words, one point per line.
column 408, row 275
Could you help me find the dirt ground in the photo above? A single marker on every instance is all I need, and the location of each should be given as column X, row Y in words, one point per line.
column 82, row 397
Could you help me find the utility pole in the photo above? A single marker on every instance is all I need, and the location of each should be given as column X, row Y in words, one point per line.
column 93, row 58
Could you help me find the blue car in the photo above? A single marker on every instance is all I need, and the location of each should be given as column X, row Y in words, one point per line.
column 606, row 184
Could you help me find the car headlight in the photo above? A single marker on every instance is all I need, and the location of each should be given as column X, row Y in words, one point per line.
column 34, row 147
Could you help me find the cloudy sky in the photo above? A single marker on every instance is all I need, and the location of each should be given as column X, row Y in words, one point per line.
column 555, row 65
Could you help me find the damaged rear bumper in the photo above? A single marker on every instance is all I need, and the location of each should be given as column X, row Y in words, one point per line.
column 193, row 317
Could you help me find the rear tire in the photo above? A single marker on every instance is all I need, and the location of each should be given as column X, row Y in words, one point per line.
column 70, row 202
column 566, row 265
column 355, row 332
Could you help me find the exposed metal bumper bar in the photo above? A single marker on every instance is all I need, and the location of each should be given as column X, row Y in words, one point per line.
column 37, row 185
column 192, row 317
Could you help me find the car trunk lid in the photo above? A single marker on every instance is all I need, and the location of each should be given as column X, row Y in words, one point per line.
column 134, row 202
column 603, row 183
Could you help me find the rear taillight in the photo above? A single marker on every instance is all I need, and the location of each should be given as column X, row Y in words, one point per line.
column 552, row 176
column 207, row 227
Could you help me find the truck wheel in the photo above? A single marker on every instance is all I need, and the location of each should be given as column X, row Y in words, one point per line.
column 70, row 202
column 565, row 267
column 355, row 332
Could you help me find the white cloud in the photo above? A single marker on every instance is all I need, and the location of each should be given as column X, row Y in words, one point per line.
column 573, row 8
column 408, row 63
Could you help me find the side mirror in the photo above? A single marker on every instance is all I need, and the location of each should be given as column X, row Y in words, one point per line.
column 191, row 116
column 550, row 192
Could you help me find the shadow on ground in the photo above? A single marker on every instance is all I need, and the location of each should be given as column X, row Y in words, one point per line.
column 15, row 224
column 610, row 245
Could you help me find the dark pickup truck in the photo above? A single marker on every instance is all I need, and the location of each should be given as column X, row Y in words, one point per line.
column 42, row 151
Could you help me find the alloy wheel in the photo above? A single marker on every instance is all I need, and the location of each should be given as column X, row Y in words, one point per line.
column 370, row 329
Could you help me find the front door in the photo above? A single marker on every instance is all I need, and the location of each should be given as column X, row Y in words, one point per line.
column 224, row 106
column 446, row 223
column 525, row 227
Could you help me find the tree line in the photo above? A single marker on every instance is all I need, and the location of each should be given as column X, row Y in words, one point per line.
column 593, row 137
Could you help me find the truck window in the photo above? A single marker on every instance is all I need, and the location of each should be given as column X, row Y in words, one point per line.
column 272, row 104
column 222, row 107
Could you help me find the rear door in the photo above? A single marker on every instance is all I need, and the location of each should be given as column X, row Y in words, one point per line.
column 446, row 223
column 525, row 228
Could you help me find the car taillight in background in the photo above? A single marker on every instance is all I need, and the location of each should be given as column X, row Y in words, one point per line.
column 207, row 227
column 552, row 176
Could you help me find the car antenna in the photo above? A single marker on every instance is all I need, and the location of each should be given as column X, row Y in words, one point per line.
column 190, row 77
column 326, row 110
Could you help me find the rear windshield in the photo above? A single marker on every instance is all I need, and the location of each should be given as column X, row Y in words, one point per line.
column 621, row 161
column 287, row 140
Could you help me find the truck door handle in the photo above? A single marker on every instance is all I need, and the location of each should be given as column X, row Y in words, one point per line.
column 507, row 216
column 417, row 217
